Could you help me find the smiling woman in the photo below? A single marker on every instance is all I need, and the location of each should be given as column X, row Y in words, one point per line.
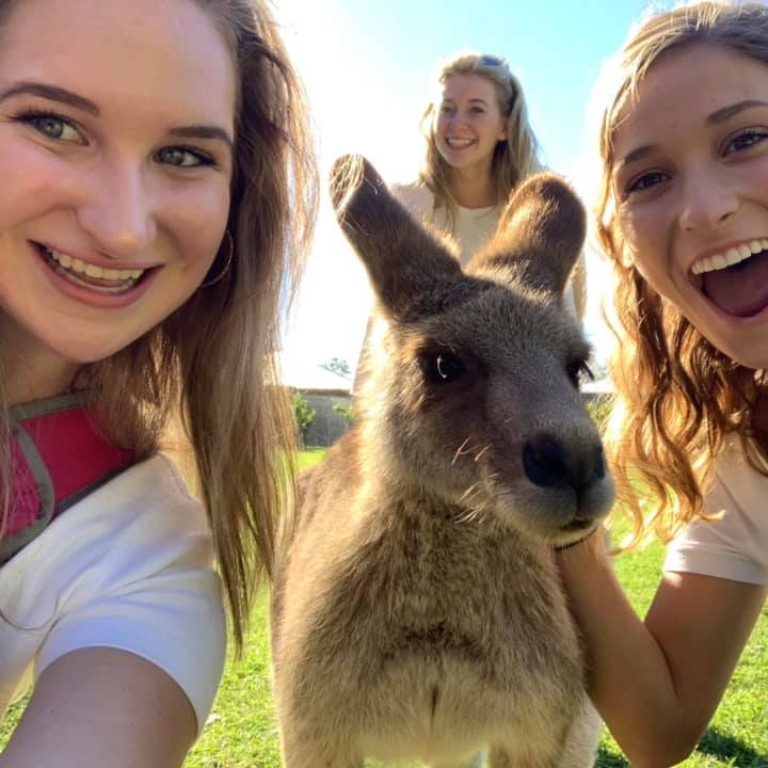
column 96, row 178
column 683, row 217
column 479, row 146
column 147, row 228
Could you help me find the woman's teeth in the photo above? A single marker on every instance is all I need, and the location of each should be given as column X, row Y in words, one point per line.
column 459, row 143
column 81, row 273
column 730, row 257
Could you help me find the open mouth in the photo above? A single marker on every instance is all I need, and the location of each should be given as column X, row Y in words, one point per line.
column 459, row 143
column 736, row 282
column 91, row 276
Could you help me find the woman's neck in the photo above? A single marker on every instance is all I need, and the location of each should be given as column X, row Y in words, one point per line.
column 473, row 187
column 30, row 371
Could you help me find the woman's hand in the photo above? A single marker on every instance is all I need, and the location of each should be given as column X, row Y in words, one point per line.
column 657, row 684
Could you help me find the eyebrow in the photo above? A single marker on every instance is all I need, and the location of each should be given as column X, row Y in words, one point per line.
column 721, row 115
column 204, row 132
column 715, row 118
column 65, row 96
column 52, row 93
column 471, row 101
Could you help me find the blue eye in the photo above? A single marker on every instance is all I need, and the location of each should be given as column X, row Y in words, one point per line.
column 183, row 157
column 51, row 125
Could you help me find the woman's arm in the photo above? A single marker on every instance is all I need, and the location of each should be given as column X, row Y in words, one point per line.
column 658, row 683
column 101, row 707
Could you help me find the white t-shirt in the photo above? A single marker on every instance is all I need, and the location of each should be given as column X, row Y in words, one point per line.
column 128, row 567
column 473, row 228
column 734, row 547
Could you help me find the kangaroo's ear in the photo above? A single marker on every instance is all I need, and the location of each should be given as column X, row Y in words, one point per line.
column 540, row 235
column 409, row 270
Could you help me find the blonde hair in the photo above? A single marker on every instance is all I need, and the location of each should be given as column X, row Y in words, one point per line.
column 678, row 396
column 514, row 159
column 212, row 362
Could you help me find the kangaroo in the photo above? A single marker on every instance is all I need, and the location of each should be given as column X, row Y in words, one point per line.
column 417, row 612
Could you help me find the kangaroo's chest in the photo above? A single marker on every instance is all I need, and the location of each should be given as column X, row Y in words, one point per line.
column 427, row 618
column 440, row 589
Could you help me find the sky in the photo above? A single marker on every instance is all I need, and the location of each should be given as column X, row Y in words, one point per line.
column 368, row 67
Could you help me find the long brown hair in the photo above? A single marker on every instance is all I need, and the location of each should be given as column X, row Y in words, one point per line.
column 212, row 363
column 678, row 396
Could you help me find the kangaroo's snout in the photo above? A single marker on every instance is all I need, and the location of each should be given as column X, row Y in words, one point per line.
column 549, row 463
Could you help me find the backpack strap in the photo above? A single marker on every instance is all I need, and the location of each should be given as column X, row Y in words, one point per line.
column 59, row 455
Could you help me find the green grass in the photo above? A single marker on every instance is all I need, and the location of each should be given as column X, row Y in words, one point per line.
column 309, row 457
column 241, row 731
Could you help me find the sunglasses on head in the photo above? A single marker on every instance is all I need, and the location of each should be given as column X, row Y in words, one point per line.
column 488, row 60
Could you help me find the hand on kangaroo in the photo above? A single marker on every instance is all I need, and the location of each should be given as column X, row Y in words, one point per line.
column 417, row 611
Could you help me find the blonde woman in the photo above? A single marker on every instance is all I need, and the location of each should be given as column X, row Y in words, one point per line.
column 684, row 218
column 156, row 189
column 479, row 147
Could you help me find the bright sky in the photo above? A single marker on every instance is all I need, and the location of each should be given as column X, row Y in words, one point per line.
column 368, row 68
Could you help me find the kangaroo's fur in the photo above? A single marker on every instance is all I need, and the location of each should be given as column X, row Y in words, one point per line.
column 417, row 611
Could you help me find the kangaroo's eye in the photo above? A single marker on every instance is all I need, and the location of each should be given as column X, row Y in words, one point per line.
column 443, row 367
column 579, row 372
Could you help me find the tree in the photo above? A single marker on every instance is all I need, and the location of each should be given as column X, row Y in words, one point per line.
column 303, row 413
column 345, row 411
column 337, row 366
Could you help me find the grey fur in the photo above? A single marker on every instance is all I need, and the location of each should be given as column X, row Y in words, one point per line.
column 417, row 611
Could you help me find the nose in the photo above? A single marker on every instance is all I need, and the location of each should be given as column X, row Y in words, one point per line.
column 707, row 202
column 116, row 210
column 548, row 463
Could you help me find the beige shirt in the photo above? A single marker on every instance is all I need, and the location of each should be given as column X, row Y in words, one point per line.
column 474, row 227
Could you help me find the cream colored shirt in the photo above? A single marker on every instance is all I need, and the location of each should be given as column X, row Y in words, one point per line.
column 474, row 227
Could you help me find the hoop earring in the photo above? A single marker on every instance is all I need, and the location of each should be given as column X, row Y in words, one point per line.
column 227, row 264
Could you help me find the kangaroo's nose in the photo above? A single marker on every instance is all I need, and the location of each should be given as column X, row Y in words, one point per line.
column 548, row 463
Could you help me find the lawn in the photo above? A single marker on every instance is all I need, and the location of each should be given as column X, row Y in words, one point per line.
column 240, row 732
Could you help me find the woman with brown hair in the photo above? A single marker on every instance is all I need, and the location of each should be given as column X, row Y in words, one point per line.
column 157, row 193
column 684, row 219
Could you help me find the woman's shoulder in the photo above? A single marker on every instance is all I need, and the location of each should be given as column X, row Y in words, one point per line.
column 733, row 541
column 744, row 482
column 415, row 196
column 144, row 517
column 130, row 567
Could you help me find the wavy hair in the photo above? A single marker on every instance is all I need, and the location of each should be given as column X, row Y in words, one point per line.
column 513, row 160
column 678, row 396
column 209, row 370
